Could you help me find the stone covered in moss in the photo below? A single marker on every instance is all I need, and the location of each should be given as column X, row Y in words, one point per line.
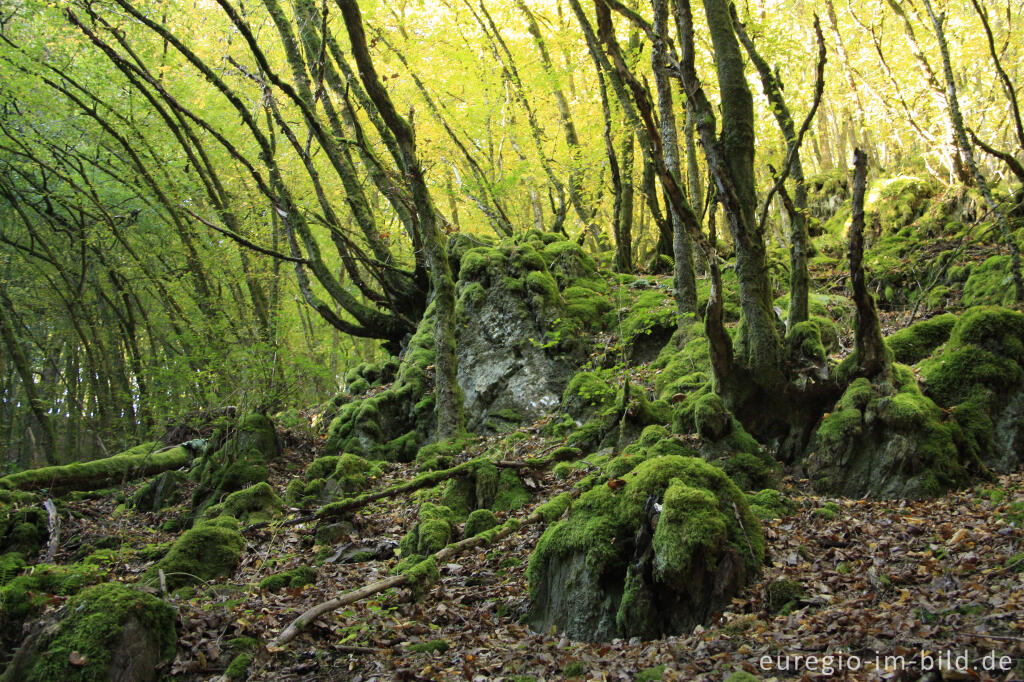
column 432, row 531
column 299, row 576
column 23, row 529
column 990, row 283
column 256, row 504
column 886, row 439
column 979, row 376
column 655, row 556
column 108, row 632
column 770, row 504
column 163, row 491
column 240, row 452
column 203, row 553
column 479, row 521
column 25, row 596
column 916, row 342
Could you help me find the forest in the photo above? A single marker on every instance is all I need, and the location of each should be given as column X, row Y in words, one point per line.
column 511, row 340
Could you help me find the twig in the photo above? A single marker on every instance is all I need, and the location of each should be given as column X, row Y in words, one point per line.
column 981, row 635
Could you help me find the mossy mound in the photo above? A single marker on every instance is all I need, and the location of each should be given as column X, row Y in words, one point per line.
column 433, row 530
column 654, row 556
column 770, row 504
column 479, row 520
column 916, row 342
column 895, row 203
column 979, row 376
column 484, row 486
column 255, row 504
column 299, row 576
column 25, row 596
column 239, row 453
column 887, row 439
column 328, row 477
column 107, row 632
column 204, row 553
column 684, row 363
column 618, row 423
column 723, row 440
column 23, row 529
column 393, row 423
column 990, row 283
column 826, row 193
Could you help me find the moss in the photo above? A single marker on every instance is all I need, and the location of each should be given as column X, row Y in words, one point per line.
column 564, row 453
column 555, row 507
column 322, row 467
column 438, row 646
column 563, row 470
column 895, row 203
column 98, row 620
column 239, row 667
column 749, row 471
column 691, row 528
column 486, row 480
column 433, row 530
column 990, row 283
column 804, row 340
column 23, row 530
column 710, row 417
column 686, row 369
column 422, row 575
column 741, row 676
column 650, row 310
column 587, row 390
column 295, row 492
column 11, row 564
column 916, row 342
column 781, row 594
column 603, row 514
column 511, row 493
column 770, row 504
column 654, row 674
column 258, row 503
column 354, row 474
column 142, row 460
column 479, row 521
column 542, row 284
column 200, row 554
column 295, row 577
column 441, row 454
column 829, row 512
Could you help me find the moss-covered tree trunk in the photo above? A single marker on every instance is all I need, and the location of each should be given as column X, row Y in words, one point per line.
column 872, row 355
column 684, row 277
column 448, row 398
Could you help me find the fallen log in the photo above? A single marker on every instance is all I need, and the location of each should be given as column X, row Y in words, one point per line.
column 141, row 461
column 427, row 569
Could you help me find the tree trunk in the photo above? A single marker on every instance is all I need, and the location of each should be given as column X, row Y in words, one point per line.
column 872, row 354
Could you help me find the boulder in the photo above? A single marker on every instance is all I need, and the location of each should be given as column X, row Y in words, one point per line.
column 656, row 554
column 107, row 632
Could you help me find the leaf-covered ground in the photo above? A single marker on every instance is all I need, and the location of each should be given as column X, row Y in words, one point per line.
column 877, row 579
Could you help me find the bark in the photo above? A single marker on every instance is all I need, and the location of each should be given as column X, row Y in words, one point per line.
column 684, row 276
column 43, row 426
column 872, row 355
column 448, row 399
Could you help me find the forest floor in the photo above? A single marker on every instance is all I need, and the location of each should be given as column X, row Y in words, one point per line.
column 888, row 588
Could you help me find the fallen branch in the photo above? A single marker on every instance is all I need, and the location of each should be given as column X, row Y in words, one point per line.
column 549, row 511
column 53, row 525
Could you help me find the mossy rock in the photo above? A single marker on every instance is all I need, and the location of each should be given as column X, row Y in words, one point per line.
column 204, row 553
column 107, row 632
column 294, row 577
column 479, row 521
column 433, row 530
column 240, row 453
column 256, row 504
column 25, row 596
column 23, row 529
column 887, row 439
column 916, row 342
column 654, row 556
column 770, row 504
column 990, row 283
column 979, row 376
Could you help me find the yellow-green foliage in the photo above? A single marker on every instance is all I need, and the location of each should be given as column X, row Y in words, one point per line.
column 603, row 515
column 200, row 554
column 916, row 342
column 140, row 461
column 651, row 309
column 588, row 389
column 96, row 622
column 294, row 577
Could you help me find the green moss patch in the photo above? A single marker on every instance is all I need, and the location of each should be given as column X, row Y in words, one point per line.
column 201, row 554
column 107, row 628
column 584, row 576
column 294, row 577
column 916, row 342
